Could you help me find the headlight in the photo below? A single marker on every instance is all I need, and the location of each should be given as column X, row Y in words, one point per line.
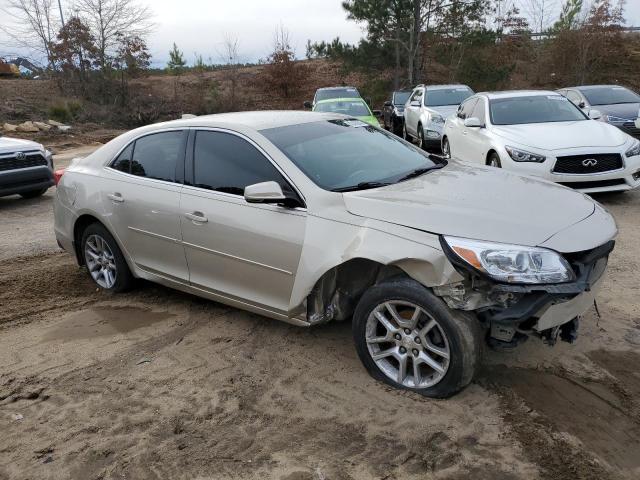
column 436, row 118
column 613, row 119
column 523, row 156
column 634, row 150
column 512, row 263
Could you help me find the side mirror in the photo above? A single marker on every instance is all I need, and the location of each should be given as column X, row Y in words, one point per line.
column 582, row 105
column 388, row 103
column 473, row 122
column 377, row 113
column 307, row 104
column 415, row 103
column 265, row 192
column 595, row 114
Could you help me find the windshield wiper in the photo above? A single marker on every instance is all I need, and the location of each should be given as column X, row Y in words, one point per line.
column 420, row 171
column 361, row 186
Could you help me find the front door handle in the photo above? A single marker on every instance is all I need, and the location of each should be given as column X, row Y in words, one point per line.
column 115, row 197
column 197, row 217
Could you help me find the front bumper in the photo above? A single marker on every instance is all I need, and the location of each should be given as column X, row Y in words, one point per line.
column 25, row 180
column 621, row 179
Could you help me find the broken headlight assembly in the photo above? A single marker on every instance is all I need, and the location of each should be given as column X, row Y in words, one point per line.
column 510, row 263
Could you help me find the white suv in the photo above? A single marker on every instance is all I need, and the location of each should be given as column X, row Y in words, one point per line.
column 427, row 109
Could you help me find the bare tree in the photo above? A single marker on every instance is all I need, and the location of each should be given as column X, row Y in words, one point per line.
column 540, row 13
column 230, row 56
column 109, row 19
column 34, row 26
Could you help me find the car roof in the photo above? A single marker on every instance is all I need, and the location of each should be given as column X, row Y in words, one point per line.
column 517, row 93
column 256, row 120
column 346, row 87
column 340, row 99
column 592, row 87
column 443, row 86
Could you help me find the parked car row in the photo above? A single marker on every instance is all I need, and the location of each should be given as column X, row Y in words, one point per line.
column 585, row 137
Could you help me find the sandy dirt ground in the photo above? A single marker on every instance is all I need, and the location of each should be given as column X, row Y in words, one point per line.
column 159, row 384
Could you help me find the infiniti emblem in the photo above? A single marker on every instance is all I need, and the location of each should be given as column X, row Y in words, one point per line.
column 589, row 162
column 20, row 156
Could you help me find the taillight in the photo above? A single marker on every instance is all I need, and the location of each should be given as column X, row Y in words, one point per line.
column 57, row 175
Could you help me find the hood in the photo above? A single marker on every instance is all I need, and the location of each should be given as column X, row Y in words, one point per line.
column 627, row 111
column 562, row 135
column 475, row 202
column 10, row 145
column 445, row 110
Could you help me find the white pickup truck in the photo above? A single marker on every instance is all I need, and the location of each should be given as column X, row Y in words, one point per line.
column 26, row 168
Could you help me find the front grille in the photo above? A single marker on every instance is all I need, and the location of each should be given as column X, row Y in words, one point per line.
column 30, row 160
column 595, row 183
column 631, row 129
column 585, row 164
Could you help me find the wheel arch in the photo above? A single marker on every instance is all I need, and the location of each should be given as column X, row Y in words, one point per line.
column 80, row 225
column 337, row 292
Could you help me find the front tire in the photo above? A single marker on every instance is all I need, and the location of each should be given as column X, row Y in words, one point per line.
column 104, row 260
column 421, row 142
column 405, row 135
column 408, row 338
column 446, row 148
column 494, row 160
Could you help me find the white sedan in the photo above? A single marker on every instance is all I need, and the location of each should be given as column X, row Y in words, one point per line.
column 543, row 134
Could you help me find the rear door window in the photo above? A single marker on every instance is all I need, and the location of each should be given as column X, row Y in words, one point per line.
column 156, row 156
column 123, row 162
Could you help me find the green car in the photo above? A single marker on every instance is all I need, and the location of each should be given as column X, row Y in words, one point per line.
column 354, row 107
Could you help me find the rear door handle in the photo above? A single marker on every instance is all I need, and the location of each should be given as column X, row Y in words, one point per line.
column 115, row 197
column 197, row 217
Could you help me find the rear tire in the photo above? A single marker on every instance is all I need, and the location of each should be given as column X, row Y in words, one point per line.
column 34, row 193
column 104, row 260
column 384, row 348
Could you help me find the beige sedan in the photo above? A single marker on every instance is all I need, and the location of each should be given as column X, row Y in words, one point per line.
column 310, row 218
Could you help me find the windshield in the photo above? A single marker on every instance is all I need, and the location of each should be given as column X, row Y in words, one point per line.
column 610, row 95
column 346, row 92
column 447, row 96
column 533, row 109
column 339, row 154
column 400, row 98
column 354, row 108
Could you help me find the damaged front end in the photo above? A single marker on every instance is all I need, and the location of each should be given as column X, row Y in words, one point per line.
column 514, row 311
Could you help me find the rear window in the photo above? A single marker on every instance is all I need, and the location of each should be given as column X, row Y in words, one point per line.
column 156, row 156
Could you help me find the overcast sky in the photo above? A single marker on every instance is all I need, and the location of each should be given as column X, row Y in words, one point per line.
column 201, row 25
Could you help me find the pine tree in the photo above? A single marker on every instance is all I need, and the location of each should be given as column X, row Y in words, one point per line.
column 176, row 62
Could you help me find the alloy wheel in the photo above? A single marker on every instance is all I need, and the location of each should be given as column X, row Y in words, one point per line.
column 420, row 137
column 407, row 344
column 100, row 261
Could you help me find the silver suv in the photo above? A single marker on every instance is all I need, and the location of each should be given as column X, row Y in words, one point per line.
column 26, row 168
column 427, row 109
column 316, row 217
